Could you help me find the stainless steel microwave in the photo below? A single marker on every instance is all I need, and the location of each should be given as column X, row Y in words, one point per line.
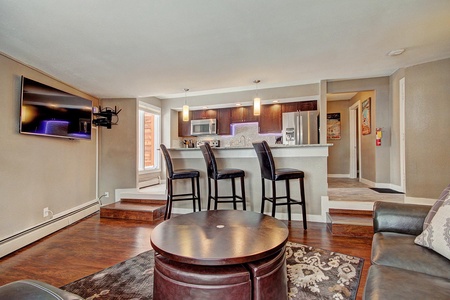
column 203, row 127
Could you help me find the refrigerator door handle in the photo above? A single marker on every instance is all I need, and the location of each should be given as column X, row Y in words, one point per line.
column 299, row 129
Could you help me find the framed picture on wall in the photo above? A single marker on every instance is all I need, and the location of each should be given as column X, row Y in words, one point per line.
column 365, row 116
column 334, row 126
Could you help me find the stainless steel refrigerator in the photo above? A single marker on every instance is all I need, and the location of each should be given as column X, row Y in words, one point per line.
column 300, row 128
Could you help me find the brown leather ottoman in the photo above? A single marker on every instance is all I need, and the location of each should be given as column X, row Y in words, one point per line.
column 269, row 277
column 174, row 280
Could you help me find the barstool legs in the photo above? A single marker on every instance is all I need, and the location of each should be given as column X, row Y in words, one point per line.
column 274, row 198
column 302, row 195
column 233, row 196
column 194, row 196
column 263, row 198
column 198, row 194
column 233, row 190
column 288, row 195
column 289, row 200
column 244, row 207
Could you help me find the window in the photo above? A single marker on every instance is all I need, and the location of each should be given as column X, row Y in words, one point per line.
column 149, row 137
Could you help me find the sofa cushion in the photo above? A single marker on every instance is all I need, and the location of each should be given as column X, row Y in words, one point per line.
column 33, row 289
column 399, row 250
column 436, row 206
column 392, row 283
column 437, row 235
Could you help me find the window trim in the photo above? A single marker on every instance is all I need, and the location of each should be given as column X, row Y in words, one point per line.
column 145, row 107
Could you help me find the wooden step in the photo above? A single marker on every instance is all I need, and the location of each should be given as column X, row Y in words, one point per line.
column 353, row 223
column 134, row 209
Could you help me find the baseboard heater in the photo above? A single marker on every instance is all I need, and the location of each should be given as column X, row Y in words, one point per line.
column 30, row 235
column 150, row 182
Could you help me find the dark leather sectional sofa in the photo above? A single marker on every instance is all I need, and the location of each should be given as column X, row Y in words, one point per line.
column 33, row 289
column 400, row 268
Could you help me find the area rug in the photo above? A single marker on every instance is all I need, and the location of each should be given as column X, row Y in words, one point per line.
column 312, row 274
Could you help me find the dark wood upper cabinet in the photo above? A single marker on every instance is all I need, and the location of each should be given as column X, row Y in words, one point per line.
column 204, row 114
column 299, row 106
column 243, row 114
column 184, row 128
column 270, row 119
column 237, row 114
column 249, row 116
column 307, row 105
column 289, row 107
column 224, row 121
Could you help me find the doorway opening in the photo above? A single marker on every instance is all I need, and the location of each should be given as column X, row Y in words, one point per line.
column 355, row 141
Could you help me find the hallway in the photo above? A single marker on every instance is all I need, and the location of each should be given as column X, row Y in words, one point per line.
column 346, row 189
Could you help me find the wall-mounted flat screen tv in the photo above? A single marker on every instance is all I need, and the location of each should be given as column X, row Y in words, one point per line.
column 47, row 111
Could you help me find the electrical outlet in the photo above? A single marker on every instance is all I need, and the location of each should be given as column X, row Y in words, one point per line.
column 106, row 194
column 46, row 212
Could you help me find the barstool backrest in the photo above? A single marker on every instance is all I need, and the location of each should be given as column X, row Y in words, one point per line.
column 265, row 158
column 210, row 160
column 168, row 160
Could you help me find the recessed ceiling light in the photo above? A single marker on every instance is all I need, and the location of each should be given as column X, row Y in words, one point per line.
column 238, row 104
column 396, row 52
column 205, row 107
column 275, row 101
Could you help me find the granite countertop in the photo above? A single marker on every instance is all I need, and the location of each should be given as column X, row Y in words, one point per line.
column 251, row 147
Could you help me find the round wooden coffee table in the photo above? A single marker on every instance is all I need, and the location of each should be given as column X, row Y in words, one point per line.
column 197, row 251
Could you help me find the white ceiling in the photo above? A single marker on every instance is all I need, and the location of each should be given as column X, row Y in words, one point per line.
column 116, row 48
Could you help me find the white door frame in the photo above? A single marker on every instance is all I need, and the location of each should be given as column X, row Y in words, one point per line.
column 402, row 134
column 355, row 142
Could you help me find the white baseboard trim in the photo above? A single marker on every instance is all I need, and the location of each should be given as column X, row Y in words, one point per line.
column 421, row 201
column 41, row 230
column 368, row 182
column 396, row 188
column 355, row 205
column 281, row 216
column 339, row 175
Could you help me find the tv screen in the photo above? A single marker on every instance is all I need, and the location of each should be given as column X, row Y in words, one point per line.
column 51, row 112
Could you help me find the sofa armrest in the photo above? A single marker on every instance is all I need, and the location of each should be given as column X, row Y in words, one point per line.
column 399, row 217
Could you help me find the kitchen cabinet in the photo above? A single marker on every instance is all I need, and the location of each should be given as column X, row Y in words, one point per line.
column 224, row 121
column 307, row 105
column 184, row 128
column 243, row 114
column 204, row 114
column 299, row 106
column 270, row 119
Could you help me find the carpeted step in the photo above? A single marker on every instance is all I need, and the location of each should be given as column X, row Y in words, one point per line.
column 134, row 209
column 355, row 223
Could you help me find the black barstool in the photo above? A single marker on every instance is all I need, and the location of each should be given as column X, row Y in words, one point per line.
column 216, row 175
column 270, row 172
column 179, row 174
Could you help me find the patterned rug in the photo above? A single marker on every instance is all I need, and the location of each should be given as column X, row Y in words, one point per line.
column 312, row 274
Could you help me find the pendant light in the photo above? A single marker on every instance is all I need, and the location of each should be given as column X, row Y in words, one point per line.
column 185, row 107
column 256, row 100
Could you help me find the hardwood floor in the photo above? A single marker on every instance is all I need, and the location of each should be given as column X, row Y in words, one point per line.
column 95, row 243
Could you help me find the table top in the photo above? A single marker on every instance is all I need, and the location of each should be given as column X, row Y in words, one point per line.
column 219, row 237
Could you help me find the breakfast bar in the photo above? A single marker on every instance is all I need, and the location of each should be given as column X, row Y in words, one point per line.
column 311, row 159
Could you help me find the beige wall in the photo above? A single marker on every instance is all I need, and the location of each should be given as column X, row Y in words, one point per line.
column 38, row 172
column 118, row 149
column 395, row 129
column 427, row 128
column 368, row 155
column 339, row 154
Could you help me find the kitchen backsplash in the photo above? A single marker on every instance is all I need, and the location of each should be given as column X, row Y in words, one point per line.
column 243, row 135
